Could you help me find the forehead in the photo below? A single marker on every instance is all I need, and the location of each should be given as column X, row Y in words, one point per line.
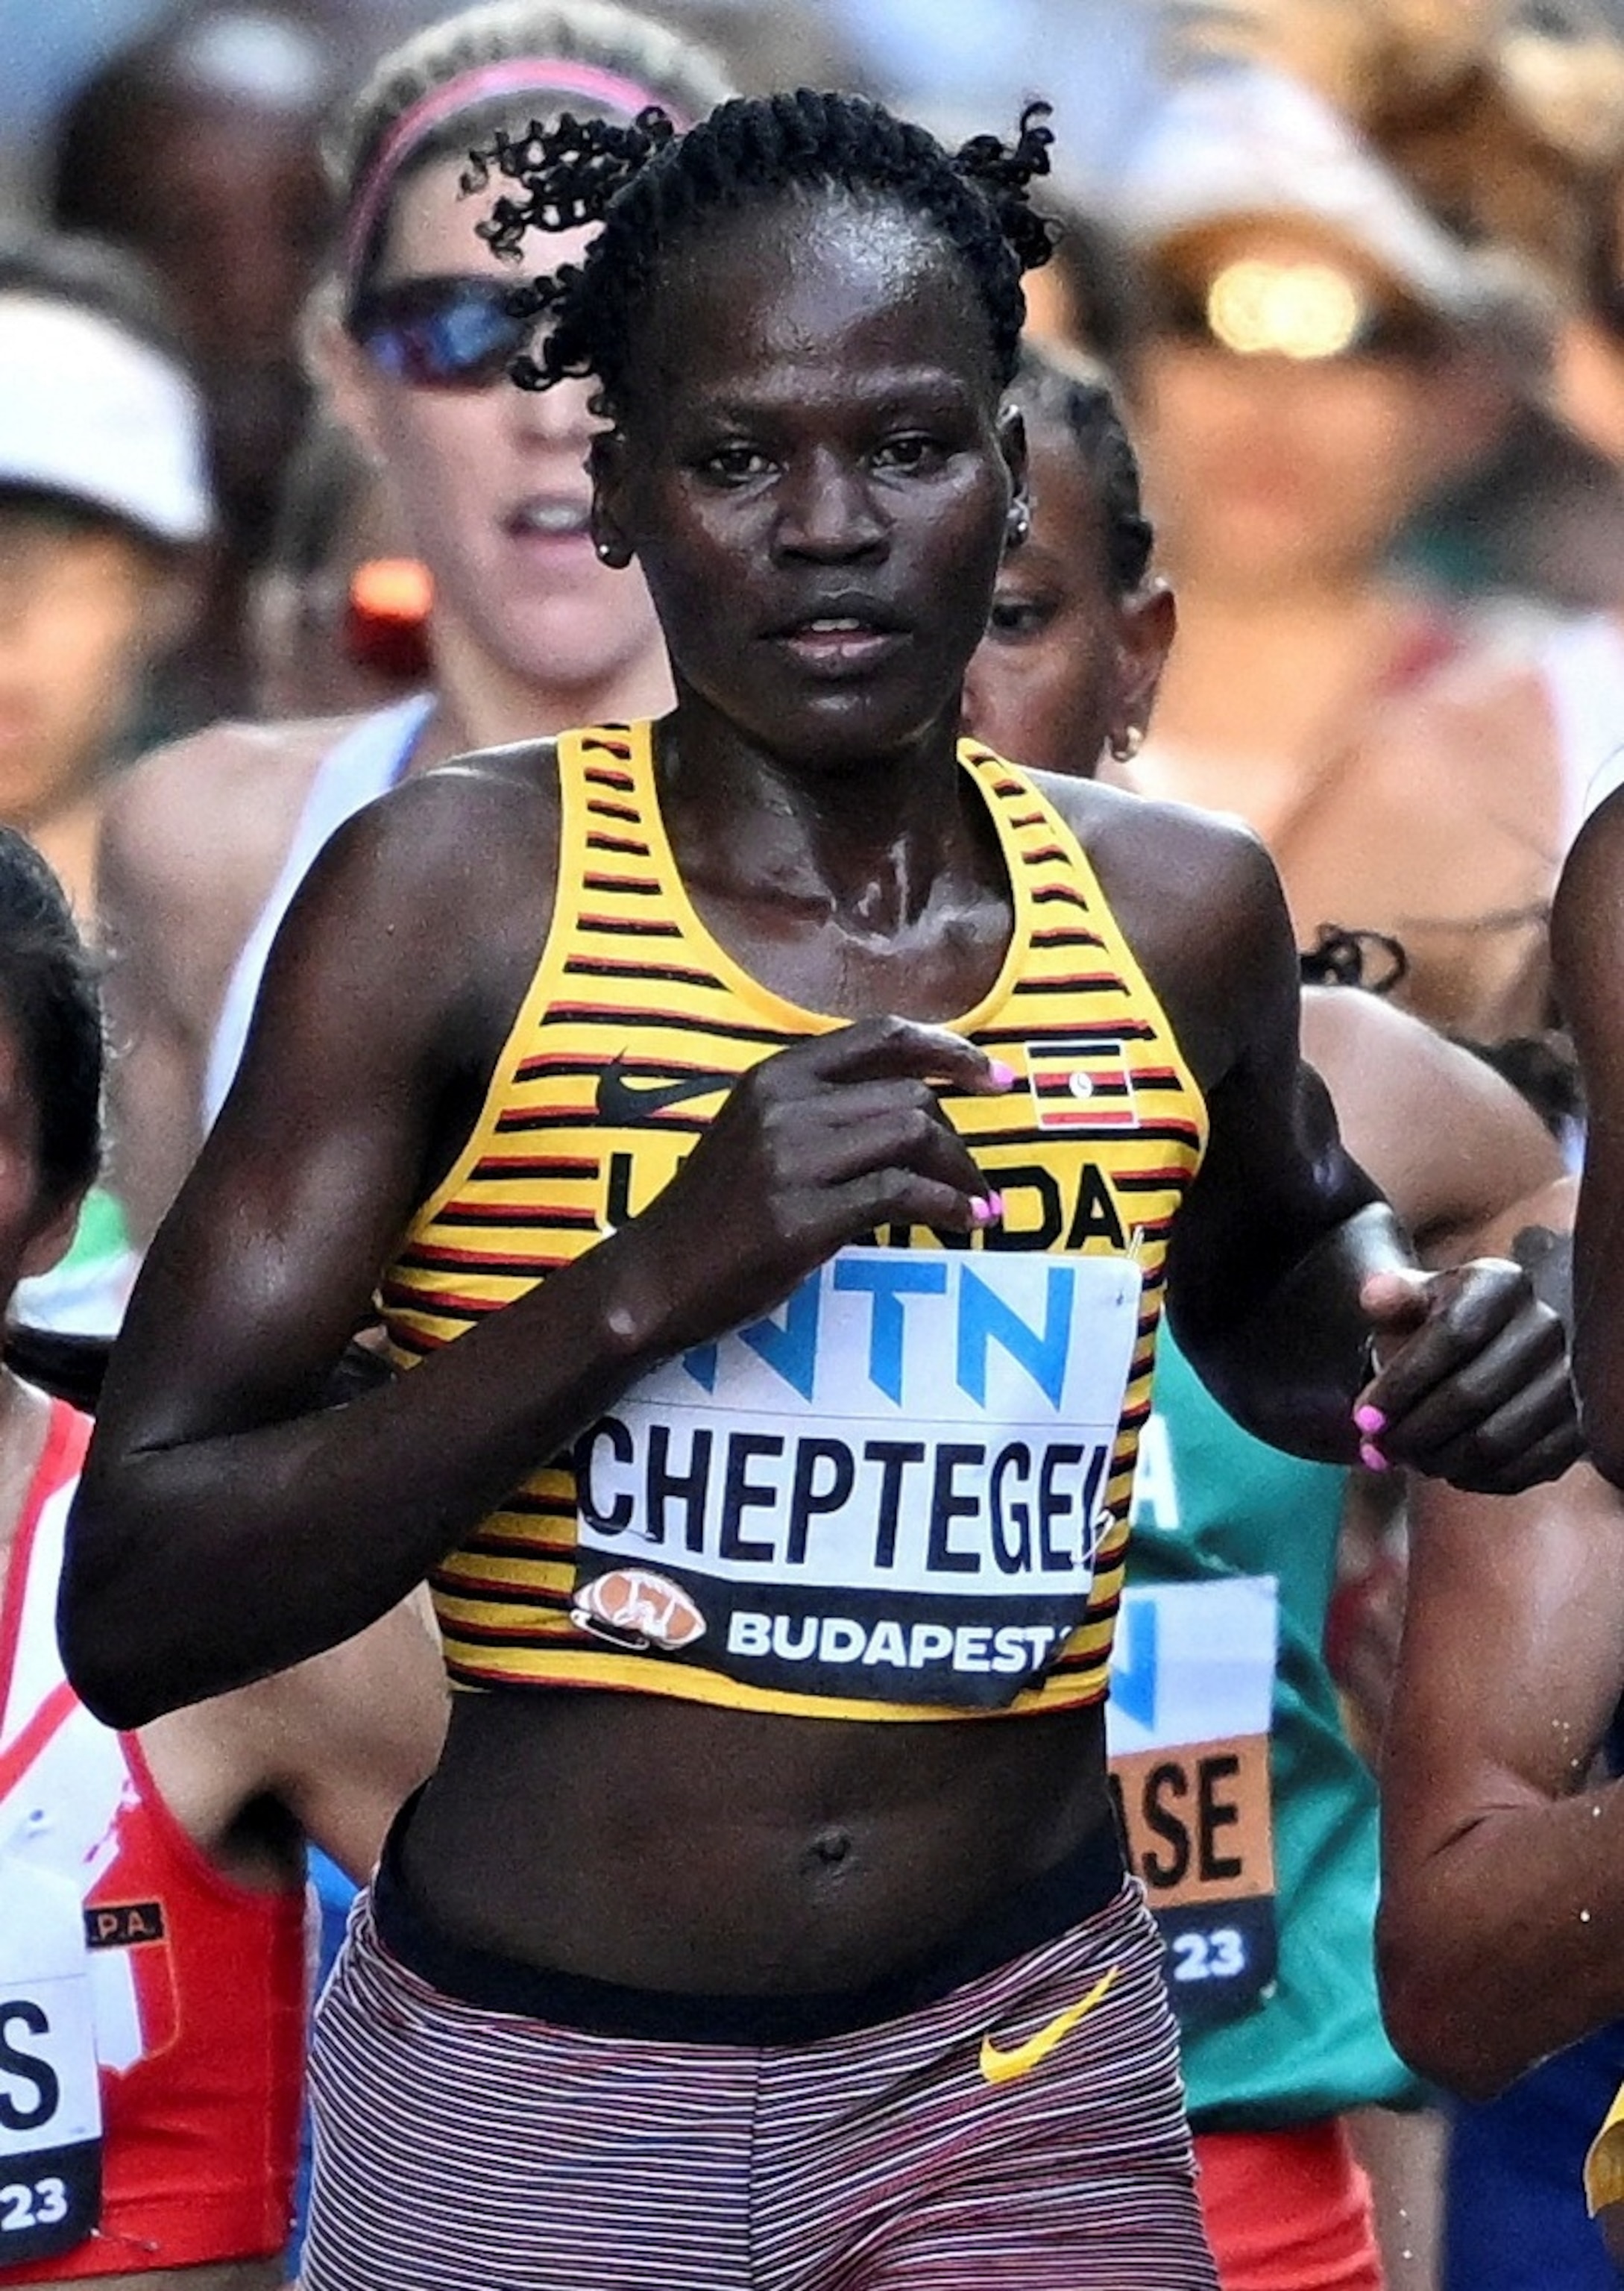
column 431, row 230
column 811, row 296
column 1068, row 513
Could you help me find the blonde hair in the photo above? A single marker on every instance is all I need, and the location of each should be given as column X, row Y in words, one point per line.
column 675, row 72
column 1507, row 129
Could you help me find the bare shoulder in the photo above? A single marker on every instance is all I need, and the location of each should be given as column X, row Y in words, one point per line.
column 172, row 807
column 1198, row 899
column 1141, row 846
column 450, row 874
column 1483, row 724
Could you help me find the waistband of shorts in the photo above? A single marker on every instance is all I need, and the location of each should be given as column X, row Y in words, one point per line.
column 1088, row 1880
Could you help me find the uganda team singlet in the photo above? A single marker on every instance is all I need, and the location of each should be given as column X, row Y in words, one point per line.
column 903, row 1495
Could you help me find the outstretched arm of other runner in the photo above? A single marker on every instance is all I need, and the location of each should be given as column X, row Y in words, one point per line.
column 1587, row 950
column 1502, row 1933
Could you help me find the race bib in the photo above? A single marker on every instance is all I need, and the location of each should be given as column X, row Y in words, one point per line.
column 1187, row 1725
column 49, row 2093
column 893, row 1490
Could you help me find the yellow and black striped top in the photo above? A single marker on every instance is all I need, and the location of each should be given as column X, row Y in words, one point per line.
column 711, row 1556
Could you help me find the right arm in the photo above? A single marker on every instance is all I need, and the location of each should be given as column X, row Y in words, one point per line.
column 1588, row 949
column 227, row 1526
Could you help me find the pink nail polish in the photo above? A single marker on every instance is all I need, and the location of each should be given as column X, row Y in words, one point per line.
column 1372, row 1459
column 995, row 1202
column 981, row 1209
column 1002, row 1077
column 1369, row 1419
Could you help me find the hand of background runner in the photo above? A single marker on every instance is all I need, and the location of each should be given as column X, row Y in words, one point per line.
column 813, row 1148
column 1473, row 1381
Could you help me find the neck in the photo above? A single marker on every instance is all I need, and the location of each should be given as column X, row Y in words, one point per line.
column 482, row 703
column 67, row 839
column 24, row 1414
column 865, row 845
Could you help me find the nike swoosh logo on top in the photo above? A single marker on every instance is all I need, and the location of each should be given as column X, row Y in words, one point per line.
column 1003, row 2067
column 623, row 1104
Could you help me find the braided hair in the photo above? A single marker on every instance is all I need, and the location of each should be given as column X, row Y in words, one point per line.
column 650, row 188
column 50, row 996
column 1077, row 396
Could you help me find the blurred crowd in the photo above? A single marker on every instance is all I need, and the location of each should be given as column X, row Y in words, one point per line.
column 1354, row 271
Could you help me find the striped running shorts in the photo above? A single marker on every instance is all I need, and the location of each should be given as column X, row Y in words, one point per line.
column 1025, row 2130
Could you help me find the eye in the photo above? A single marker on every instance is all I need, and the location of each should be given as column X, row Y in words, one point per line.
column 1017, row 617
column 912, row 451
column 734, row 463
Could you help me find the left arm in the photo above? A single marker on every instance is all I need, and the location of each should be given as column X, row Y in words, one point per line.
column 1286, row 1263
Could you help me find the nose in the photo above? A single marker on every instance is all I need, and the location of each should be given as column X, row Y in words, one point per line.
column 558, row 417
column 827, row 512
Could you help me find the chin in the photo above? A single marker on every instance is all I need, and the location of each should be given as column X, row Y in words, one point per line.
column 562, row 649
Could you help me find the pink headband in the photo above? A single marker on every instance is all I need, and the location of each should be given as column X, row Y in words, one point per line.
column 518, row 75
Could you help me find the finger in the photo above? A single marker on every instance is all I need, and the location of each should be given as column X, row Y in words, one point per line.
column 1396, row 1301
column 858, row 1102
column 1505, row 1402
column 901, row 1197
column 875, row 1050
column 901, row 1137
column 1547, row 1460
column 1469, row 1309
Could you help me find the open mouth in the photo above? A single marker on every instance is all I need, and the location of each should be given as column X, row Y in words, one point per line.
column 840, row 635
column 549, row 517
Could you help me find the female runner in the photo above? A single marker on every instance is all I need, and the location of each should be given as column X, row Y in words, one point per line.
column 1272, row 1956
column 152, row 1949
column 205, row 845
column 778, row 1351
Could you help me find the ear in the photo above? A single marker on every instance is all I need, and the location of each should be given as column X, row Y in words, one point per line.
column 1012, row 446
column 606, row 464
column 338, row 366
column 1146, row 623
column 49, row 1242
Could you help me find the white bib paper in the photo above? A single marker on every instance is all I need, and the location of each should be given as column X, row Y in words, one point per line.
column 894, row 1488
column 49, row 2095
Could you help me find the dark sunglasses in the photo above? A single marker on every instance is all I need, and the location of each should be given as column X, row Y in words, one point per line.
column 441, row 334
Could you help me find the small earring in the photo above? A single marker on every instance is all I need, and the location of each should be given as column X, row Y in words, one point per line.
column 1019, row 525
column 606, row 553
column 1126, row 745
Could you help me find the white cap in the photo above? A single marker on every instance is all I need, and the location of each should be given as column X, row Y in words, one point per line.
column 1243, row 141
column 92, row 413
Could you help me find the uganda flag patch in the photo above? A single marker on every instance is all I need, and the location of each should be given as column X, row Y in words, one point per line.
column 1081, row 1085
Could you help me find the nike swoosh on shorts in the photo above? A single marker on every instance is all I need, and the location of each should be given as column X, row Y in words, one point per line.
column 1003, row 2067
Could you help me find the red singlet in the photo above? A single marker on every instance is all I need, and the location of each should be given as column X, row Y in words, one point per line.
column 197, row 1984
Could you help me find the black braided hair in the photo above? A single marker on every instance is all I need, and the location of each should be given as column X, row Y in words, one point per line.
column 649, row 186
column 1077, row 396
column 1340, row 957
column 50, row 994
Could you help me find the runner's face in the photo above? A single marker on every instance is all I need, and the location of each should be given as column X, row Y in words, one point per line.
column 32, row 1235
column 492, row 481
column 78, row 599
column 1043, row 687
column 1269, row 471
column 812, row 474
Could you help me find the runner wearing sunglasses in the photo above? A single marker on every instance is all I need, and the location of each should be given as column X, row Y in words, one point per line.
column 206, row 841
